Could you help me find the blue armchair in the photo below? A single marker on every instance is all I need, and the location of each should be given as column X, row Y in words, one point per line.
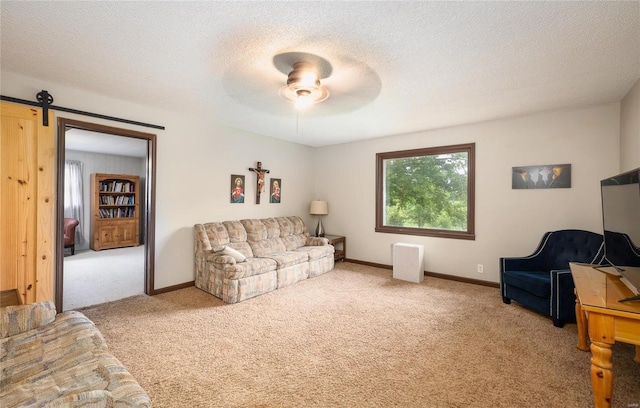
column 542, row 281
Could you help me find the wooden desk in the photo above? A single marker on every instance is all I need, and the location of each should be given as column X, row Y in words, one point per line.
column 597, row 296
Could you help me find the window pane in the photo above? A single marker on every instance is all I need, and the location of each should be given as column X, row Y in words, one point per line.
column 426, row 192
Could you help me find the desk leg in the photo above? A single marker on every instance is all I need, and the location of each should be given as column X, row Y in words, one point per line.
column 601, row 333
column 581, row 319
column 637, row 359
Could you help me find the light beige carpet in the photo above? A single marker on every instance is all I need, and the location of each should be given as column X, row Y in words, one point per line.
column 93, row 277
column 354, row 337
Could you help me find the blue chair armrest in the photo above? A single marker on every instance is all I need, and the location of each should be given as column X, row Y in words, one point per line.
column 529, row 263
column 534, row 262
column 563, row 298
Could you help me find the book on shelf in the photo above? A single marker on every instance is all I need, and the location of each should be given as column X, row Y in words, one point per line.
column 117, row 212
column 113, row 186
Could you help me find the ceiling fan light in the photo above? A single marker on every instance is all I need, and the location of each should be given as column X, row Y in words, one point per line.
column 303, row 74
column 309, row 80
column 303, row 100
column 303, row 86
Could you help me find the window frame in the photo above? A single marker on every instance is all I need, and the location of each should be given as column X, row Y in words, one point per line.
column 468, row 148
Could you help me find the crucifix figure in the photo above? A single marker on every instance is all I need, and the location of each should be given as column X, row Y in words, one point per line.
column 260, row 173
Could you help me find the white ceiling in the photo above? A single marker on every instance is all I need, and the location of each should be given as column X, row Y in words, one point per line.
column 94, row 142
column 396, row 67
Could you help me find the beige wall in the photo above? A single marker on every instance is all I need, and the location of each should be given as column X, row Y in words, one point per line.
column 195, row 158
column 508, row 222
column 630, row 129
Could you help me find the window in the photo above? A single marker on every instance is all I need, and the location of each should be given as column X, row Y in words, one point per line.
column 427, row 191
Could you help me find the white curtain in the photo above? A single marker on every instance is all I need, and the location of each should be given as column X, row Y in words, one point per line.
column 73, row 195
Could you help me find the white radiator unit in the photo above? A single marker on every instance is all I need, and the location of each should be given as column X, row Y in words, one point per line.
column 407, row 262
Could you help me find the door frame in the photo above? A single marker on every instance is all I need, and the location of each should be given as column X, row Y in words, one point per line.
column 150, row 202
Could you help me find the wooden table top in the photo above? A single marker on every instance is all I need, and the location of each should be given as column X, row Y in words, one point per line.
column 599, row 288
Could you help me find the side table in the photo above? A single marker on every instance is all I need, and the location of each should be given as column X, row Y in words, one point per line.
column 341, row 250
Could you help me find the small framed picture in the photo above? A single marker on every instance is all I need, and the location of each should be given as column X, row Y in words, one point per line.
column 274, row 190
column 237, row 189
column 544, row 176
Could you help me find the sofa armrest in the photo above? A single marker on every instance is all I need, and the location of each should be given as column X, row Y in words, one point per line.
column 201, row 238
column 317, row 241
column 22, row 318
column 218, row 258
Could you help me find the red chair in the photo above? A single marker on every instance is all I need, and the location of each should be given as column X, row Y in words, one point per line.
column 70, row 225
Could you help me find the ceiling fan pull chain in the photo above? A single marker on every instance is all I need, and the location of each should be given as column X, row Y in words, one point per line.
column 299, row 124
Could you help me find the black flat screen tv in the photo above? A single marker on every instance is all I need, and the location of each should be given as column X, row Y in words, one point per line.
column 621, row 222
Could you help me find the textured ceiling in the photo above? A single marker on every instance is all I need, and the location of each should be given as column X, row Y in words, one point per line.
column 396, row 67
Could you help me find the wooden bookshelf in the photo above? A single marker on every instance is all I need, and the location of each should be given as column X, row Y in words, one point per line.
column 115, row 211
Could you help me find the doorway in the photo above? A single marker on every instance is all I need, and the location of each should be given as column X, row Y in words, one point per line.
column 92, row 136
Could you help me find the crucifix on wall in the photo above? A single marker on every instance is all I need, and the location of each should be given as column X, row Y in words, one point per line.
column 260, row 172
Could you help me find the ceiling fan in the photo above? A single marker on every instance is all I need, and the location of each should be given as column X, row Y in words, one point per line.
column 300, row 80
column 303, row 79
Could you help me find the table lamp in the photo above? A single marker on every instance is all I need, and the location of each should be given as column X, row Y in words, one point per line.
column 320, row 208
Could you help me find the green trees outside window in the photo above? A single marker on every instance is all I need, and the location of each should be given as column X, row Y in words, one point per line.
column 427, row 191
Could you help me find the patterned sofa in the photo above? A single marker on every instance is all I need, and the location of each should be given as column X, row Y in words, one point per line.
column 60, row 361
column 273, row 253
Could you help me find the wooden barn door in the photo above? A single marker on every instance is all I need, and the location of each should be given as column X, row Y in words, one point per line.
column 27, row 203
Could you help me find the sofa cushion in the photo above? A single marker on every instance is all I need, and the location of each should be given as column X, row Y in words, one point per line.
column 266, row 247
column 22, row 318
column 252, row 267
column 286, row 226
column 235, row 254
column 217, row 234
column 535, row 282
column 318, row 252
column 242, row 247
column 272, row 227
column 285, row 259
column 293, row 232
column 298, row 225
column 293, row 242
column 291, row 226
column 236, row 231
column 256, row 230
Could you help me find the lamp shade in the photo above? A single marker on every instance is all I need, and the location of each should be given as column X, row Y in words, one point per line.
column 319, row 207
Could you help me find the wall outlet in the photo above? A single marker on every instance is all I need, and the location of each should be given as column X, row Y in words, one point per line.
column 480, row 268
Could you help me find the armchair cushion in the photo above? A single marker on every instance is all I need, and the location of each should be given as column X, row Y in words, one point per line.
column 536, row 282
column 542, row 281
